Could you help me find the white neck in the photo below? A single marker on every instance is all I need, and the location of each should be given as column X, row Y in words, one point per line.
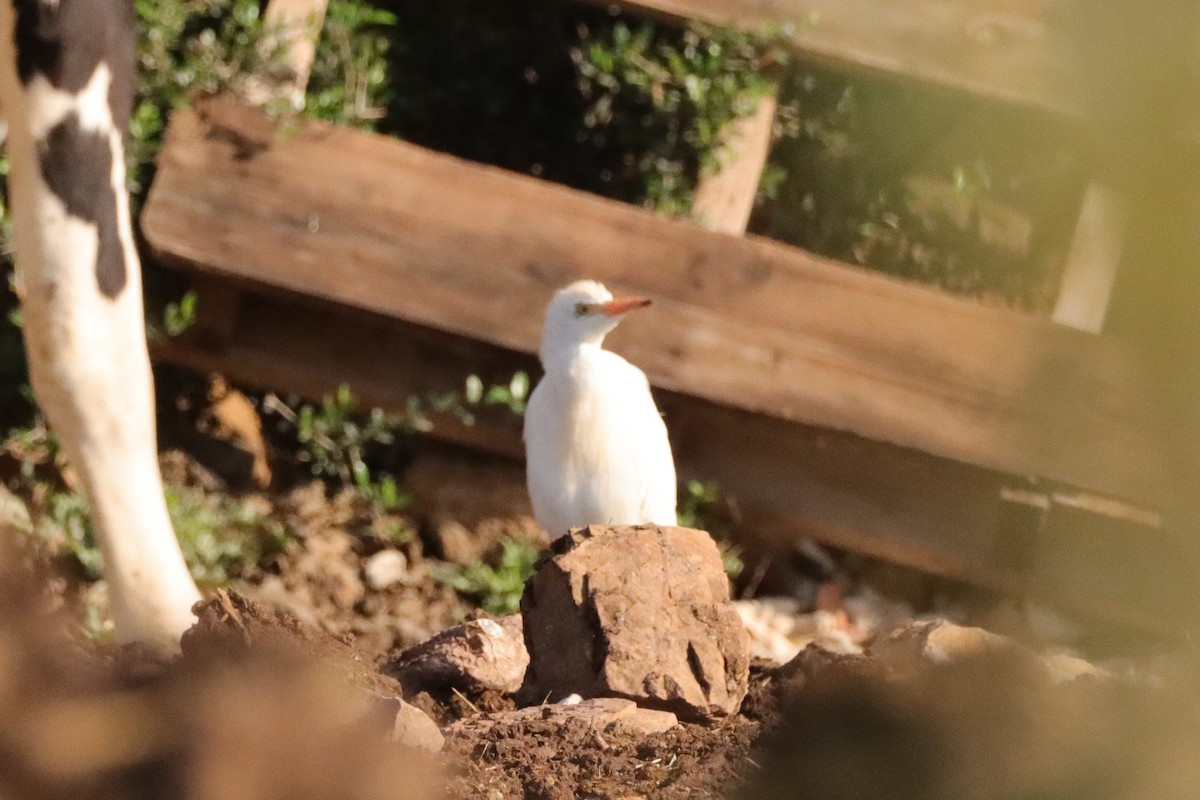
column 557, row 352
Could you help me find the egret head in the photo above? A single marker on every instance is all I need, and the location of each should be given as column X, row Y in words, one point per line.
column 583, row 313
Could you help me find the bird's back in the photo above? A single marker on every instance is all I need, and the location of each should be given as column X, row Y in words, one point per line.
column 596, row 447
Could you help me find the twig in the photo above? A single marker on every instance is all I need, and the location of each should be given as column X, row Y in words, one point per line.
column 233, row 614
column 463, row 697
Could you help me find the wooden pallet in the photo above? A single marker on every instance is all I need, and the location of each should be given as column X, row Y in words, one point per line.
column 1000, row 51
column 403, row 290
column 833, row 402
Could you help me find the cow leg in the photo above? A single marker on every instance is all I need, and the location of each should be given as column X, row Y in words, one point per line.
column 65, row 86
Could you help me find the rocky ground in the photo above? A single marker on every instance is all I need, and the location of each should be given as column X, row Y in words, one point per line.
column 340, row 665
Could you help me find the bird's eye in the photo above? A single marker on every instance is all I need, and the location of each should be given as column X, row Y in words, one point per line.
column 581, row 309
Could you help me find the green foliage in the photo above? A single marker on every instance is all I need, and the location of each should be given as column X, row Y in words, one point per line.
column 354, row 447
column 384, row 493
column 852, row 150
column 697, row 502
column 974, row 180
column 339, row 443
column 572, row 93
column 703, row 507
column 68, row 526
column 180, row 315
column 195, row 47
column 221, row 537
column 498, row 588
column 349, row 81
column 97, row 627
column 187, row 47
column 512, row 395
column 336, row 440
column 31, row 446
column 668, row 94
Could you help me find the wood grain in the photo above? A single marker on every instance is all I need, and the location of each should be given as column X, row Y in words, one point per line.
column 998, row 49
column 746, row 323
column 725, row 198
column 292, row 28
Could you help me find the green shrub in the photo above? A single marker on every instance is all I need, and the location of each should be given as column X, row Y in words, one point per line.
column 703, row 506
column 667, row 94
column 221, row 537
column 497, row 588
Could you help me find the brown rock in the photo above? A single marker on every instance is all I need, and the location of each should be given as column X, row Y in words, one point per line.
column 414, row 728
column 922, row 644
column 232, row 417
column 815, row 663
column 643, row 721
column 639, row 612
column 1064, row 668
column 483, row 654
column 938, row 642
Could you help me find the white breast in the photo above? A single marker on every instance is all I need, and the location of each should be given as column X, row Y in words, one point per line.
column 596, row 447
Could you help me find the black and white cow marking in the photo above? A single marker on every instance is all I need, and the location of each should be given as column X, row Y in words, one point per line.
column 66, row 69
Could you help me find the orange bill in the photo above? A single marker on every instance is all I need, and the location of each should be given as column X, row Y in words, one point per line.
column 622, row 305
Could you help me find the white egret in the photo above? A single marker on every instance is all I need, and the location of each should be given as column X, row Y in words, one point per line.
column 596, row 447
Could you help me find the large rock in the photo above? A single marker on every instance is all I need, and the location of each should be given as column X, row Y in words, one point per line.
column 638, row 612
column 482, row 654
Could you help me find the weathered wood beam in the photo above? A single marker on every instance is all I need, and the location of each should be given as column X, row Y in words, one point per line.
column 389, row 227
column 725, row 198
column 790, row 482
column 1091, row 268
column 292, row 30
column 1000, row 50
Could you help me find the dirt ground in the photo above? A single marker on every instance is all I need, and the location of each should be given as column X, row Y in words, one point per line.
column 261, row 705
column 268, row 697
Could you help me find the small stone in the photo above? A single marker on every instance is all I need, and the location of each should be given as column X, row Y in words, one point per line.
column 779, row 629
column 1064, row 668
column 478, row 655
column 644, row 722
column 920, row 644
column 385, row 568
column 639, row 612
column 414, row 728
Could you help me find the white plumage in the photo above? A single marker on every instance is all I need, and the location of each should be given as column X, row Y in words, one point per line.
column 596, row 447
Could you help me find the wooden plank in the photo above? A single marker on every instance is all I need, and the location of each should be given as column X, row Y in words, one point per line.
column 790, row 482
column 292, row 29
column 724, row 199
column 1091, row 269
column 996, row 49
column 389, row 227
